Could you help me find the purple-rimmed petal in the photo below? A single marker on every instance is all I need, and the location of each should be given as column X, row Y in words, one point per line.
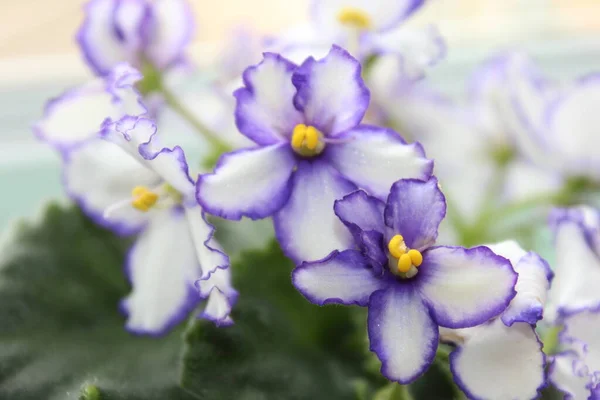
column 374, row 158
column 168, row 28
column 80, row 113
column 582, row 327
column 417, row 48
column 331, row 92
column 306, row 227
column 382, row 14
column 209, row 253
column 415, row 209
column 402, row 333
column 111, row 33
column 216, row 287
column 372, row 244
column 138, row 137
column 99, row 174
column 162, row 268
column 532, row 285
column 465, row 287
column 265, row 111
column 360, row 212
column 569, row 375
column 497, row 363
column 250, row 182
column 577, row 267
column 342, row 278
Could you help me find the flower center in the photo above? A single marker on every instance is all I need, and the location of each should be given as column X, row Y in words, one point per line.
column 307, row 140
column 405, row 261
column 355, row 18
column 143, row 198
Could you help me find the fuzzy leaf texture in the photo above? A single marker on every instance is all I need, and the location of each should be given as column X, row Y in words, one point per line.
column 62, row 337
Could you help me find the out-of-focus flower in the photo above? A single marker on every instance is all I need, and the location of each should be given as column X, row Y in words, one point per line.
column 497, row 161
column 365, row 28
column 574, row 301
column 410, row 286
column 565, row 133
column 80, row 113
column 311, row 151
column 136, row 31
column 577, row 267
column 503, row 358
column 125, row 180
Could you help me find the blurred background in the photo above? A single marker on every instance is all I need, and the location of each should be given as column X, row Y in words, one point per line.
column 39, row 59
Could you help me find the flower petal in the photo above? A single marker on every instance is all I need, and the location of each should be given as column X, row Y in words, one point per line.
column 306, row 227
column 532, row 285
column 383, row 14
column 569, row 135
column 331, row 92
column 568, row 375
column 374, row 158
column 265, row 111
column 208, row 251
column 80, row 113
column 170, row 26
column 577, row 267
column 343, row 278
column 250, row 182
column 372, row 245
column 416, row 48
column 498, row 362
column 111, row 33
column 415, row 210
column 99, row 174
column 216, row 287
column 360, row 212
column 465, row 287
column 582, row 327
column 138, row 137
column 402, row 333
column 162, row 268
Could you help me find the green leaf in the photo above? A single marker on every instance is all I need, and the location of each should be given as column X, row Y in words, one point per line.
column 281, row 346
column 61, row 336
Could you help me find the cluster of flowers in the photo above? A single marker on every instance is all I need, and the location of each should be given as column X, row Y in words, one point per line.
column 353, row 204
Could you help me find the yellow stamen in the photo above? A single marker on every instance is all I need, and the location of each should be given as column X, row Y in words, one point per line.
column 312, row 138
column 404, row 263
column 415, row 257
column 143, row 198
column 396, row 246
column 354, row 17
column 298, row 136
column 306, row 140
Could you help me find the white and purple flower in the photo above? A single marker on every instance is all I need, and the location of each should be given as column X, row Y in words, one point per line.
column 503, row 358
column 365, row 28
column 79, row 114
column 135, row 31
column 311, row 151
column 410, row 286
column 126, row 181
column 574, row 302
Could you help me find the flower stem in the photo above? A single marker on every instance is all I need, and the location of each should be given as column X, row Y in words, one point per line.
column 211, row 136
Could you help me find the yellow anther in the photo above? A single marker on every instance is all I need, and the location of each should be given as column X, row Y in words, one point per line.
column 396, row 246
column 404, row 263
column 298, row 136
column 143, row 198
column 354, row 17
column 415, row 257
column 312, row 138
column 306, row 140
